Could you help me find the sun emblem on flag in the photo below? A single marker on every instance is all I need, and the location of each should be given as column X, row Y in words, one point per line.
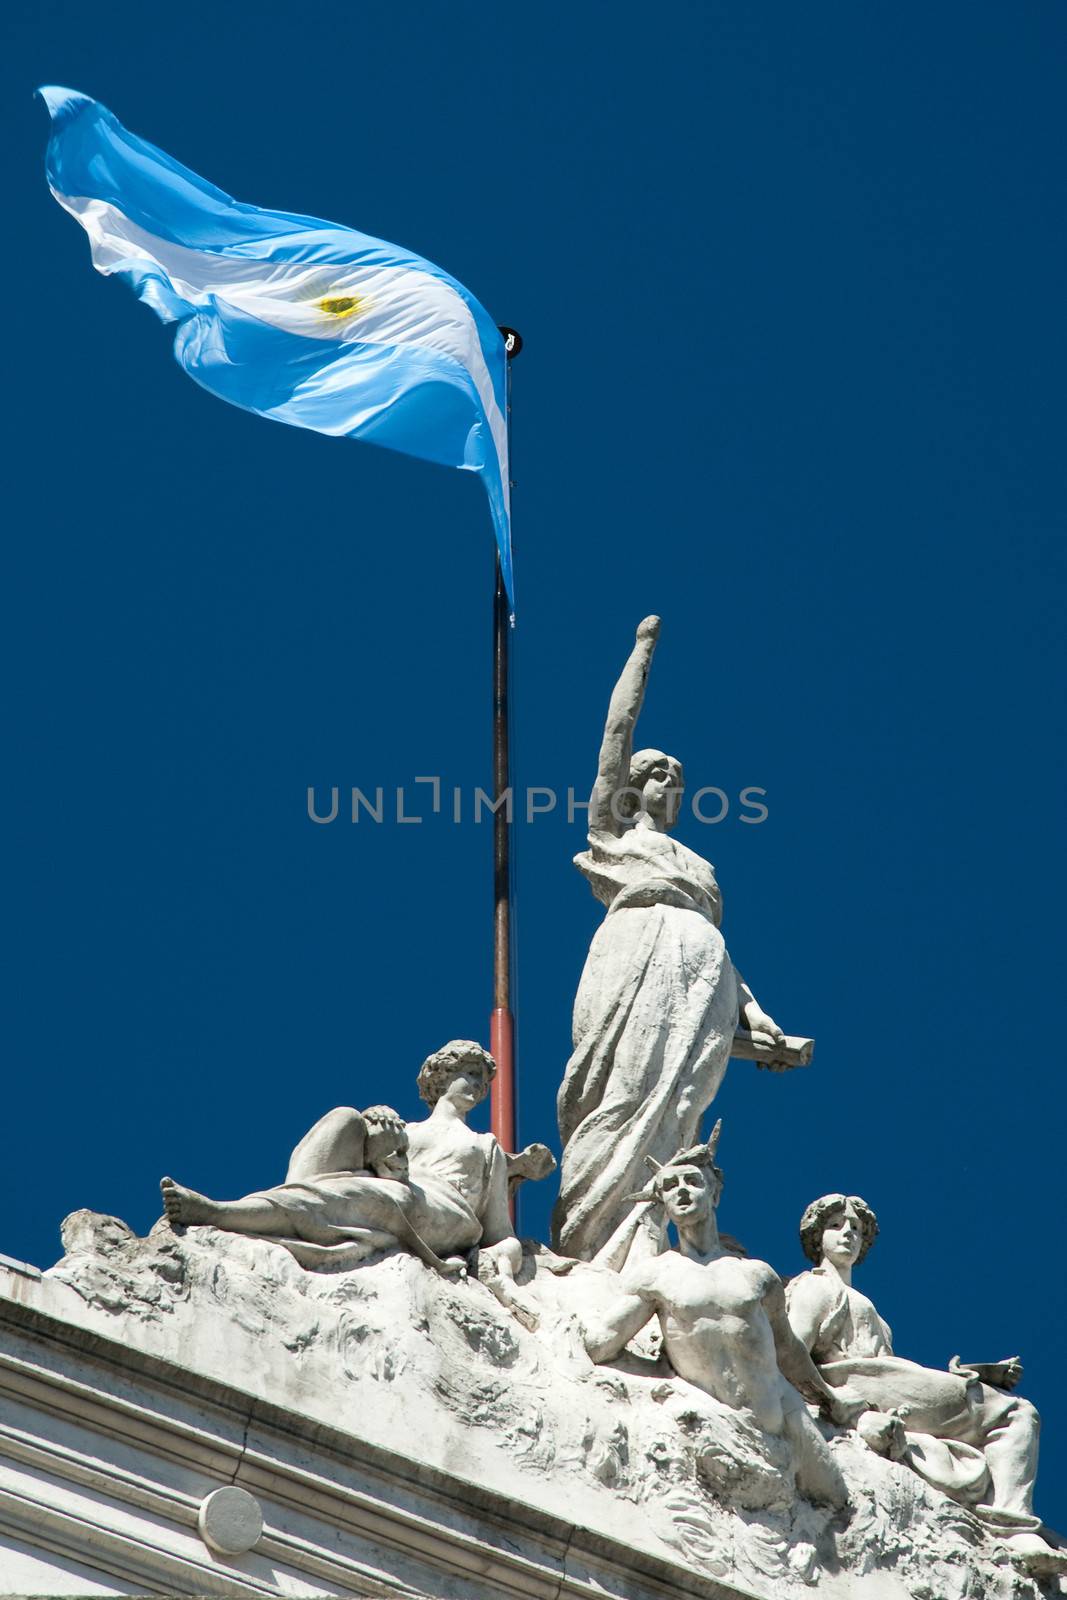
column 342, row 305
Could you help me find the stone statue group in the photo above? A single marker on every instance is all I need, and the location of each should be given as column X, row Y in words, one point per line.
column 657, row 1012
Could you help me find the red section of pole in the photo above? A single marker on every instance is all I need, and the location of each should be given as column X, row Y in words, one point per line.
column 503, row 1094
column 501, row 1026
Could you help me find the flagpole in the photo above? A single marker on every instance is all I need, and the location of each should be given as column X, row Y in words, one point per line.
column 502, row 1021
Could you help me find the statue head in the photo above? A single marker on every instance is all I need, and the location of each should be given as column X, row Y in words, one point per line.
column 462, row 1070
column 839, row 1228
column 655, row 787
column 387, row 1142
column 689, row 1185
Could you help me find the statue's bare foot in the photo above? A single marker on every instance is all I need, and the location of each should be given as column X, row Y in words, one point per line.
column 184, row 1206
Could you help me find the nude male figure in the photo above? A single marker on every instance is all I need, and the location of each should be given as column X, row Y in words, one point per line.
column 724, row 1324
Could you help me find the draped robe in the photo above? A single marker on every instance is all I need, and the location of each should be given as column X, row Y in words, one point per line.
column 654, row 1021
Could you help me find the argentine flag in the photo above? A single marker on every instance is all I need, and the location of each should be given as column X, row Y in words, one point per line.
column 293, row 318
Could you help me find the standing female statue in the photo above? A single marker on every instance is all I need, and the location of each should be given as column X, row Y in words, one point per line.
column 659, row 1000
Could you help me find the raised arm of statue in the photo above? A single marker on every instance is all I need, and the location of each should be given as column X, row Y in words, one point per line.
column 616, row 749
column 337, row 1143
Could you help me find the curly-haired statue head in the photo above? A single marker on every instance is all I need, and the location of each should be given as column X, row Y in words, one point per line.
column 460, row 1058
column 831, row 1211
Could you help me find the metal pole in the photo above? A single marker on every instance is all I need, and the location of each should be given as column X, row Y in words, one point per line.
column 501, row 1021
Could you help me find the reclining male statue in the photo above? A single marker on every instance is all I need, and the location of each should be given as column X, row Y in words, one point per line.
column 962, row 1429
column 724, row 1323
column 363, row 1182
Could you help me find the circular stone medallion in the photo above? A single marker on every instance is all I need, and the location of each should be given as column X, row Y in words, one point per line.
column 230, row 1521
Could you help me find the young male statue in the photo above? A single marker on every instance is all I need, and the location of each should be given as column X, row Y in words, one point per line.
column 361, row 1182
column 724, row 1323
column 962, row 1429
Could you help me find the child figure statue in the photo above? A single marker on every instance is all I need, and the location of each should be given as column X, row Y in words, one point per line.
column 362, row 1182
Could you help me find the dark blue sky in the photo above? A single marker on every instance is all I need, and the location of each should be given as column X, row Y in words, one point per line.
column 791, row 284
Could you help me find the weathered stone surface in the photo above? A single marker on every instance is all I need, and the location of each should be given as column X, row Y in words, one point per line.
column 441, row 1373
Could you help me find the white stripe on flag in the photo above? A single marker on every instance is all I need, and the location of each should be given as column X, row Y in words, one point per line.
column 394, row 305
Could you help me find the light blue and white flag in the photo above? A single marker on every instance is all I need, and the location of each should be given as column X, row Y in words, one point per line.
column 288, row 316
